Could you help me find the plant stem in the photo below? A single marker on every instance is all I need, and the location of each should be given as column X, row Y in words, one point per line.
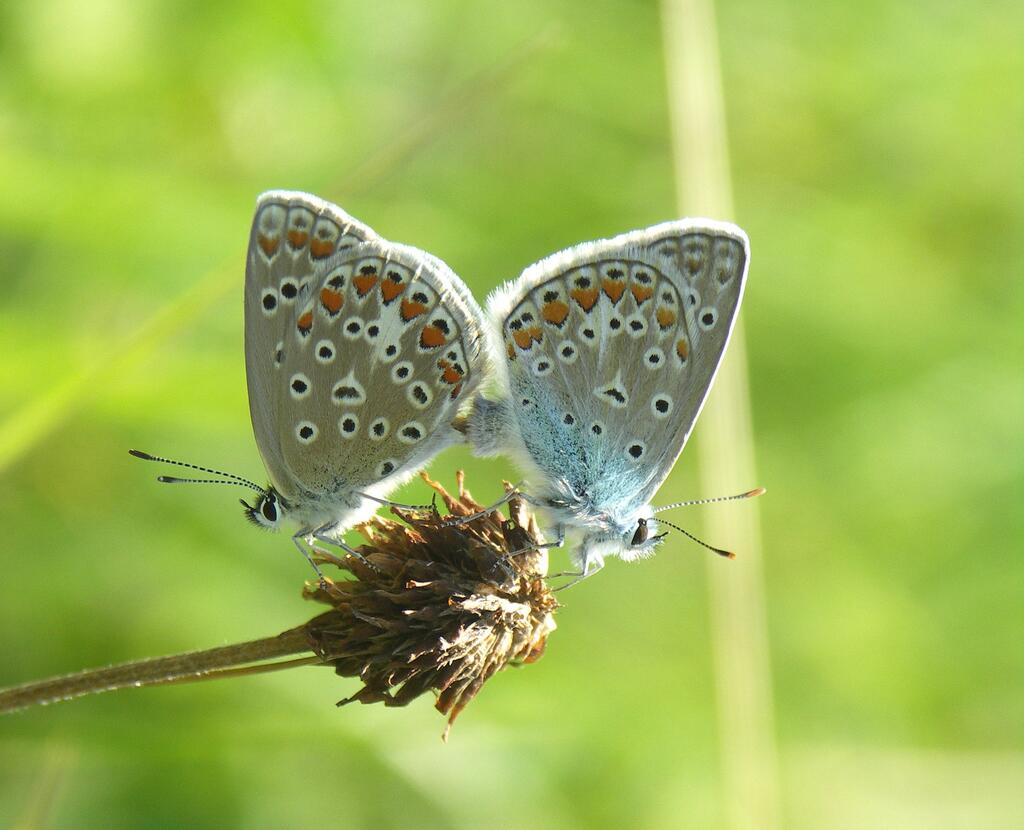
column 189, row 667
column 740, row 645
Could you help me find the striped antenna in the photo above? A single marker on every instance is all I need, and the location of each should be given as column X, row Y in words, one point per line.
column 228, row 478
column 757, row 491
column 726, row 553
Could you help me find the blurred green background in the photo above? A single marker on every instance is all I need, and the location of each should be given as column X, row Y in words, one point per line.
column 877, row 165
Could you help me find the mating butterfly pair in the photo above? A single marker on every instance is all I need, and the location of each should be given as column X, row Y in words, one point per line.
column 364, row 359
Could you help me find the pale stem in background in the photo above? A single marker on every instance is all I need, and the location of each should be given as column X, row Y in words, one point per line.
column 724, row 440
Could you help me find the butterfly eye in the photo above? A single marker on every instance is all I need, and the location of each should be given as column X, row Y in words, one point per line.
column 269, row 509
column 640, row 536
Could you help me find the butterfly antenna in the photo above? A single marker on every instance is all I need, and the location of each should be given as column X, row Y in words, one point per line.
column 728, row 554
column 228, row 478
column 757, row 491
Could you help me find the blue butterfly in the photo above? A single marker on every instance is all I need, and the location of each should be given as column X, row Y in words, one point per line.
column 604, row 355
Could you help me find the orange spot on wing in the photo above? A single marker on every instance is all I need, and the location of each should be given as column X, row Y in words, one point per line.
column 455, row 392
column 332, row 300
column 683, row 349
column 613, row 289
column 411, row 309
column 555, row 312
column 536, row 333
column 297, row 238
column 522, row 338
column 268, row 244
column 511, row 350
column 431, row 337
column 665, row 317
column 389, row 290
column 586, row 297
column 641, row 293
column 320, row 248
column 364, row 283
column 451, row 375
column 305, row 323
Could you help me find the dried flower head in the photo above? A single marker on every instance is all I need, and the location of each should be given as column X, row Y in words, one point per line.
column 435, row 606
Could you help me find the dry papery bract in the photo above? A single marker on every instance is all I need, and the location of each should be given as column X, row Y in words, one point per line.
column 435, row 606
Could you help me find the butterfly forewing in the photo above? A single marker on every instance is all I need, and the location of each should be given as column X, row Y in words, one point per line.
column 358, row 351
column 611, row 348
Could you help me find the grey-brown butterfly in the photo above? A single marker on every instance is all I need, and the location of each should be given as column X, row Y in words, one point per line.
column 358, row 354
column 605, row 353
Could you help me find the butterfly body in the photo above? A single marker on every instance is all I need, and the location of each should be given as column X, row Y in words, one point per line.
column 605, row 353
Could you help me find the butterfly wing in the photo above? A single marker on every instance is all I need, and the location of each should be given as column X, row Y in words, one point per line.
column 359, row 351
column 609, row 350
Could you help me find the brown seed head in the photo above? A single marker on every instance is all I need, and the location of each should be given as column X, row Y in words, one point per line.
column 435, row 607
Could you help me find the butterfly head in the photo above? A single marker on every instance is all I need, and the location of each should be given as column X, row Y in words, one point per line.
column 636, row 536
column 628, row 538
column 267, row 511
column 645, row 536
column 638, row 539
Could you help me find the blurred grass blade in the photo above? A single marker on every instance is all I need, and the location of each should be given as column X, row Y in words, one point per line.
column 44, row 796
column 724, row 441
column 30, row 424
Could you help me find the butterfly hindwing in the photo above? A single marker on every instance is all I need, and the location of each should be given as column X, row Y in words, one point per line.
column 610, row 348
column 362, row 358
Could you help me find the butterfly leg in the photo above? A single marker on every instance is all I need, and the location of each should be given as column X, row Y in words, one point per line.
column 514, row 493
column 560, row 530
column 298, row 540
column 592, row 563
column 397, row 504
column 579, row 577
column 320, row 535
